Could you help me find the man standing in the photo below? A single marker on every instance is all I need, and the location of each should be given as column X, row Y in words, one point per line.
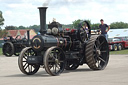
column 103, row 28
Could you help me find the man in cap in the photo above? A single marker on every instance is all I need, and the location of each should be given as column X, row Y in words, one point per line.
column 103, row 28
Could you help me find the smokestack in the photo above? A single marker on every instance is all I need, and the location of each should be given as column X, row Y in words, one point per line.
column 42, row 11
column 28, row 36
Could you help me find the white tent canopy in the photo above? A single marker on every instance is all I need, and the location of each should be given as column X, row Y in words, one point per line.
column 118, row 33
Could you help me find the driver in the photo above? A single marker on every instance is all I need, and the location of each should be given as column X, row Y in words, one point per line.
column 85, row 27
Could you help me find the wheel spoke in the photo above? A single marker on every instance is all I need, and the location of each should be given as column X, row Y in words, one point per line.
column 29, row 69
column 26, row 67
column 101, row 59
column 50, row 55
column 57, row 65
column 101, row 44
column 24, row 58
column 99, row 64
column 55, row 68
column 24, row 64
column 26, row 54
column 98, row 41
column 33, row 66
column 59, row 53
column 24, row 61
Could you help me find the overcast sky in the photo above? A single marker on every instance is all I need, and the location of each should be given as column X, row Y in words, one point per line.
column 25, row 12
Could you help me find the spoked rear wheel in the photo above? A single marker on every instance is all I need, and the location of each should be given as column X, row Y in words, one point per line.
column 24, row 66
column 8, row 49
column 97, row 53
column 54, row 61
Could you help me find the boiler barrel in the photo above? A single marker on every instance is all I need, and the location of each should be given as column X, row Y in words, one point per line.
column 40, row 42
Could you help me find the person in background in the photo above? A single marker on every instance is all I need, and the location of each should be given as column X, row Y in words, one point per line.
column 103, row 28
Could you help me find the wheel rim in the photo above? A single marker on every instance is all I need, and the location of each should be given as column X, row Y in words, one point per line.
column 8, row 49
column 115, row 48
column 120, row 47
column 101, row 52
column 97, row 52
column 24, row 66
column 54, row 61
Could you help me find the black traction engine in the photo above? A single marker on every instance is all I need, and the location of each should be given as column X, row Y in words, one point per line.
column 57, row 49
column 15, row 45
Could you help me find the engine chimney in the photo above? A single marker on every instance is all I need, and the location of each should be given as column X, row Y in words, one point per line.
column 42, row 11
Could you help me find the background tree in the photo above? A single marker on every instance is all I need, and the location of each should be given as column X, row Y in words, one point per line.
column 1, row 19
column 95, row 26
column 35, row 27
column 117, row 25
column 77, row 22
column 3, row 33
column 10, row 27
column 22, row 27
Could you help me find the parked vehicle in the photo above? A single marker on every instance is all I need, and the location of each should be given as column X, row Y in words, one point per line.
column 118, row 43
column 13, row 46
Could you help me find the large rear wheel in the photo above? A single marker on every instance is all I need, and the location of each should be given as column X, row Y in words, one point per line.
column 97, row 53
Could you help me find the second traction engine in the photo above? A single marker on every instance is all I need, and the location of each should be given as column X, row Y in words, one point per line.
column 57, row 49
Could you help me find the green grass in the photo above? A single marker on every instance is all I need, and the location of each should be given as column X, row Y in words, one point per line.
column 0, row 51
column 119, row 52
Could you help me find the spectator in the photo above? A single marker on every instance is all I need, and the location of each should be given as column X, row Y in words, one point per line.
column 103, row 28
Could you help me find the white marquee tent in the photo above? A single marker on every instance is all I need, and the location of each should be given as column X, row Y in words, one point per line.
column 118, row 33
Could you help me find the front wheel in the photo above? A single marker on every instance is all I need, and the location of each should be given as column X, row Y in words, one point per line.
column 24, row 66
column 54, row 61
column 8, row 49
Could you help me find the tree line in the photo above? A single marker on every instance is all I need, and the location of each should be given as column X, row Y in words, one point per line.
column 94, row 26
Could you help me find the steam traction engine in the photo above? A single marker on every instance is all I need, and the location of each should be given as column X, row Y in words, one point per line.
column 15, row 45
column 57, row 49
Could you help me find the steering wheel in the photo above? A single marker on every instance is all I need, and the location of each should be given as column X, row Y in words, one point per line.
column 17, row 37
column 84, row 31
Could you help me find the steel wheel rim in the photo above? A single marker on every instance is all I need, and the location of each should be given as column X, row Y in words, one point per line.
column 101, row 52
column 115, row 47
column 25, row 67
column 120, row 47
column 7, row 49
column 55, row 61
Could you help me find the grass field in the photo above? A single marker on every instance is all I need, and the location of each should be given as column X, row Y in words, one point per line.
column 0, row 51
column 119, row 52
column 111, row 52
